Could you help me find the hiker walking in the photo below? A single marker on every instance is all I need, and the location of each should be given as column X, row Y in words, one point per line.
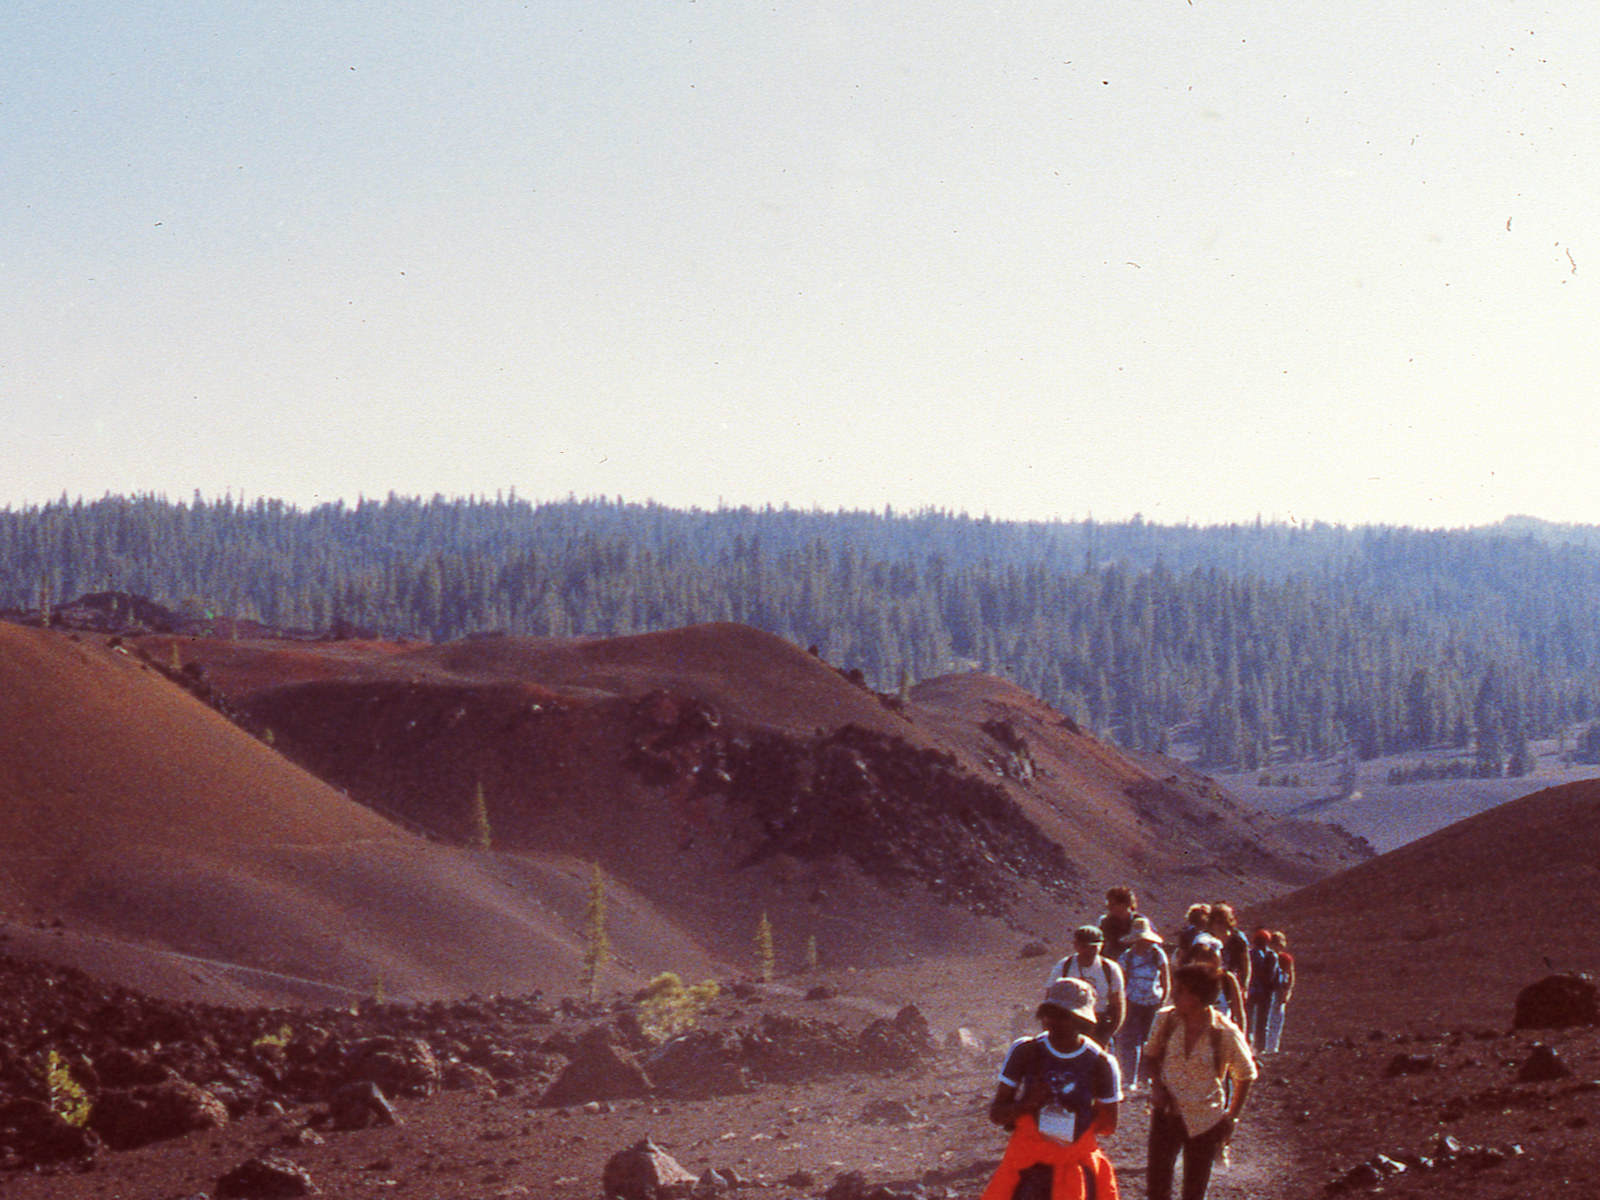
column 1116, row 923
column 1229, row 1001
column 1235, row 949
column 1196, row 923
column 1191, row 1052
column 1058, row 1093
column 1281, row 993
column 1147, row 981
column 1265, row 980
column 1101, row 974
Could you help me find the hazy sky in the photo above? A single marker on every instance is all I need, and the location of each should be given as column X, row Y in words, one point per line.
column 1199, row 261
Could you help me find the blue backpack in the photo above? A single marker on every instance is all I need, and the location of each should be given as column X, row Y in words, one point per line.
column 1267, row 975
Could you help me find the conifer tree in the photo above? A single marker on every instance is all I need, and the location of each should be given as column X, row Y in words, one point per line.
column 766, row 959
column 597, row 942
column 482, row 837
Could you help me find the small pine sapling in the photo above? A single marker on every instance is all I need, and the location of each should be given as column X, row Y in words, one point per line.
column 482, row 837
column 812, row 960
column 766, row 958
column 597, row 942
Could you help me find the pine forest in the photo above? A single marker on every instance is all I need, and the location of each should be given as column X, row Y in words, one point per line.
column 1247, row 643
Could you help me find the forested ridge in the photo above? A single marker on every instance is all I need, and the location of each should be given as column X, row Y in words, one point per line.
column 1253, row 641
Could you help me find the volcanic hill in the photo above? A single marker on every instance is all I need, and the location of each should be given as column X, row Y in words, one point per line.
column 724, row 773
column 1446, row 927
column 156, row 842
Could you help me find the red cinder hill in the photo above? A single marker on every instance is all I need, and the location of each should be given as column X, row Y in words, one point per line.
column 157, row 842
column 724, row 773
column 1445, row 930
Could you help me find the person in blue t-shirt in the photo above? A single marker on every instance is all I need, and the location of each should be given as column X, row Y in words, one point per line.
column 1058, row 1093
column 1061, row 1077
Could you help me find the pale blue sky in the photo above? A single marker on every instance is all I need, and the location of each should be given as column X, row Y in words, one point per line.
column 1199, row 261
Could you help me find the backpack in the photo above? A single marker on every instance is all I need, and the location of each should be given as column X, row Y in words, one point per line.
column 1235, row 952
column 1266, row 972
column 1281, row 976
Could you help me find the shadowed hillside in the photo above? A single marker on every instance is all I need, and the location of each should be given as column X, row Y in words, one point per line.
column 724, row 773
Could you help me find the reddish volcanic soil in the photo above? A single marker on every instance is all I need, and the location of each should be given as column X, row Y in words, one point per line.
column 717, row 774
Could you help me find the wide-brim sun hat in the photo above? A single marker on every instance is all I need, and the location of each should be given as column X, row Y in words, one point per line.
column 1143, row 931
column 1072, row 996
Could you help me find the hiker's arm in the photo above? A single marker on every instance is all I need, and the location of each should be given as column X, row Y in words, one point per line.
column 1105, row 1119
column 1241, row 1092
column 1150, row 1072
column 1007, row 1106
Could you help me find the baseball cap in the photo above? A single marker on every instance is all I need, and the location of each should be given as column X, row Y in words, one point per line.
column 1088, row 933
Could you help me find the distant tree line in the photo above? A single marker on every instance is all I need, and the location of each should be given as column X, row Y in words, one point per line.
column 1254, row 642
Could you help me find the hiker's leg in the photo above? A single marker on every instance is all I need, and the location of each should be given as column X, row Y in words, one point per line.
column 1258, row 1008
column 1198, row 1155
column 1275, row 1025
column 1130, row 1040
column 1166, row 1139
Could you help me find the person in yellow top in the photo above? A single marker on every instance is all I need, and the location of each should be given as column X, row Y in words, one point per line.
column 1193, row 1051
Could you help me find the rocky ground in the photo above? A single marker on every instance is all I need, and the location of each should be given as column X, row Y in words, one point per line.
column 772, row 1095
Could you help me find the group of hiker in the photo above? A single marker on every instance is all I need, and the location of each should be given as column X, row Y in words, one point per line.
column 1122, row 1013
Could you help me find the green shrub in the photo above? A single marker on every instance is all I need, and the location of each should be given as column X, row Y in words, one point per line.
column 280, row 1039
column 668, row 1008
column 67, row 1097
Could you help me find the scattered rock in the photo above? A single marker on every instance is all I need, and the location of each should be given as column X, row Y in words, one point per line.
column 1557, row 1002
column 1032, row 950
column 464, row 1077
column 898, row 1043
column 645, row 1171
column 698, row 1065
column 1361, row 1175
column 888, row 1112
column 122, row 1067
column 1409, row 1064
column 602, row 1070
column 38, row 1134
column 1388, row 1166
column 360, row 1105
column 852, row 1185
column 1542, row 1065
column 965, row 1041
column 266, row 1178
column 132, row 1117
column 399, row 1066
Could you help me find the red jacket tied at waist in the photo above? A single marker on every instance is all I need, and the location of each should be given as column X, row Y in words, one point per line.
column 1030, row 1148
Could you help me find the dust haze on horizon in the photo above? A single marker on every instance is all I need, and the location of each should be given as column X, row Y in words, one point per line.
column 1201, row 262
